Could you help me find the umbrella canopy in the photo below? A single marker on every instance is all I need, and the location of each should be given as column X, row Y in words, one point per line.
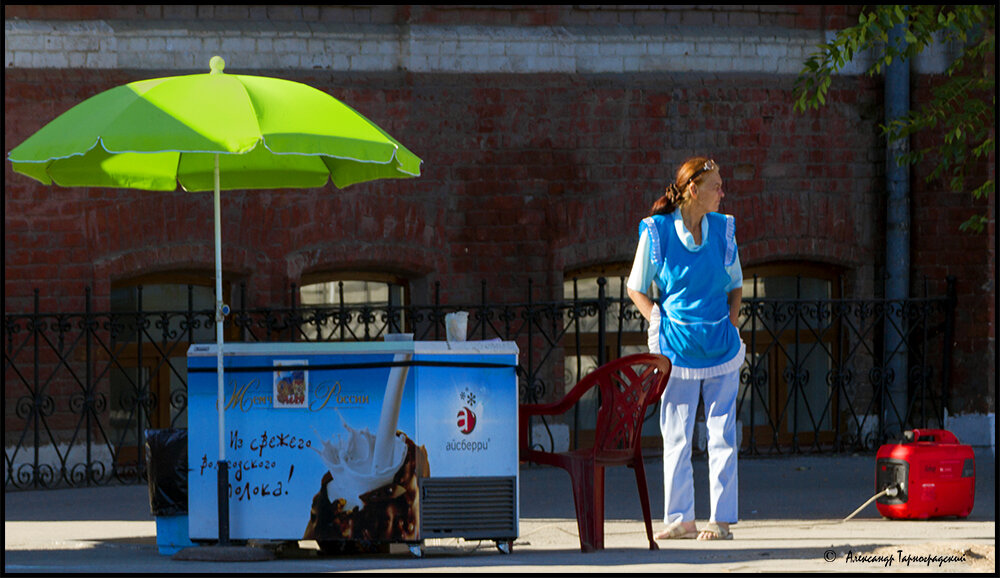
column 155, row 134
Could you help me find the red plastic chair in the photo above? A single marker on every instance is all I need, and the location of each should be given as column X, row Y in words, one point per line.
column 627, row 387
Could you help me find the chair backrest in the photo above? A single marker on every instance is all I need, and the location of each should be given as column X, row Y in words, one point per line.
column 628, row 386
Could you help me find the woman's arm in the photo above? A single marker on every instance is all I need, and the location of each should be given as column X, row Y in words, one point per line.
column 642, row 302
column 735, row 300
column 641, row 276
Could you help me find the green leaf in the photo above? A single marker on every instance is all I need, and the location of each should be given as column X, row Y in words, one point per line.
column 975, row 224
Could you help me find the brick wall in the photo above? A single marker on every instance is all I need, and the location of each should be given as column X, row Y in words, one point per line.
column 940, row 249
column 535, row 175
column 769, row 39
column 815, row 17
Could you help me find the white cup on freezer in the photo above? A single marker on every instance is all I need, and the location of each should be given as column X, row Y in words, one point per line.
column 456, row 324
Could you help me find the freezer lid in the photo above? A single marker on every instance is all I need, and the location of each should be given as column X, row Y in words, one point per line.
column 489, row 347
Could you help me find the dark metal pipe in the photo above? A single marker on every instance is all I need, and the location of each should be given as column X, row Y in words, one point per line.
column 897, row 284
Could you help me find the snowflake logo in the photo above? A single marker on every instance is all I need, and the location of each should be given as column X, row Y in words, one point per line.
column 468, row 397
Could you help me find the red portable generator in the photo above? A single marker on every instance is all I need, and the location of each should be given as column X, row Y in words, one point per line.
column 934, row 475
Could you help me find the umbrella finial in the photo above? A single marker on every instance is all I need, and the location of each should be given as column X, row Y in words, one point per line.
column 217, row 64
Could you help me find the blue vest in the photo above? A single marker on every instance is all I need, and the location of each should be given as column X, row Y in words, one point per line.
column 695, row 331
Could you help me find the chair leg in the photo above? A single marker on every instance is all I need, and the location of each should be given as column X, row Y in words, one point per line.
column 598, row 530
column 588, row 497
column 640, row 480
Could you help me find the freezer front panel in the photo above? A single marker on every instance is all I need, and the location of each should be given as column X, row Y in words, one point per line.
column 306, row 456
column 467, row 418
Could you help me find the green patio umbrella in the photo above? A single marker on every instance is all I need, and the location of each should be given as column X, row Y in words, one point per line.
column 212, row 132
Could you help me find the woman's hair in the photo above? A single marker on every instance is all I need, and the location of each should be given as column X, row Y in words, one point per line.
column 692, row 171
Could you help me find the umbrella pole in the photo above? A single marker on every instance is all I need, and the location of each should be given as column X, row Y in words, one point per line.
column 223, row 551
column 220, row 315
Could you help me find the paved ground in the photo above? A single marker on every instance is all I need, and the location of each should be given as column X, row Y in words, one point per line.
column 791, row 521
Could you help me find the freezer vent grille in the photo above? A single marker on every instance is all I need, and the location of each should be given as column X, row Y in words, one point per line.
column 484, row 508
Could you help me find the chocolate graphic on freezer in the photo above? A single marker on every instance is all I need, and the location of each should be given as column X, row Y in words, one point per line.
column 370, row 491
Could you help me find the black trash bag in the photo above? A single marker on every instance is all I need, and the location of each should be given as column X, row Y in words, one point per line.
column 167, row 456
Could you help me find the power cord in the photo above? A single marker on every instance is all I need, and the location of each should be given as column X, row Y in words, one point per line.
column 891, row 491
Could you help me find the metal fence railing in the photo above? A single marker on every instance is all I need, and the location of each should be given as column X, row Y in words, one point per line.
column 80, row 388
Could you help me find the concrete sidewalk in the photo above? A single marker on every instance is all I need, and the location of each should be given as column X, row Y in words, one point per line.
column 791, row 521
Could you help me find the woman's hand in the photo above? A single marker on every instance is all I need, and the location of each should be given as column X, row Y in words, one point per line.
column 735, row 301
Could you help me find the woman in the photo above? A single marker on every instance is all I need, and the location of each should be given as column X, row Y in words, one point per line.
column 689, row 252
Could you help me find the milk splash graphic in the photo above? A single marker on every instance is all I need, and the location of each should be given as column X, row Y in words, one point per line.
column 364, row 461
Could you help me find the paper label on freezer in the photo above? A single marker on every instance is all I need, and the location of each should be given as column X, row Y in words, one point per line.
column 291, row 383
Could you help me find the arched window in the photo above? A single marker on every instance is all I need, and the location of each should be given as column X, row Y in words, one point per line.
column 155, row 319
column 793, row 345
column 624, row 334
column 348, row 306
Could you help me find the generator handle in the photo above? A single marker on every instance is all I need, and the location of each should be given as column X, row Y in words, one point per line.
column 941, row 436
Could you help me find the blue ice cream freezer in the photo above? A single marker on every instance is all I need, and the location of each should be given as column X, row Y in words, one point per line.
column 394, row 441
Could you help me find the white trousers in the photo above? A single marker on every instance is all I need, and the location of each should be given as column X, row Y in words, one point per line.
column 677, row 416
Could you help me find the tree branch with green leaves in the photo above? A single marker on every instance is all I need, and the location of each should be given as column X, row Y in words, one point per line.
column 962, row 108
